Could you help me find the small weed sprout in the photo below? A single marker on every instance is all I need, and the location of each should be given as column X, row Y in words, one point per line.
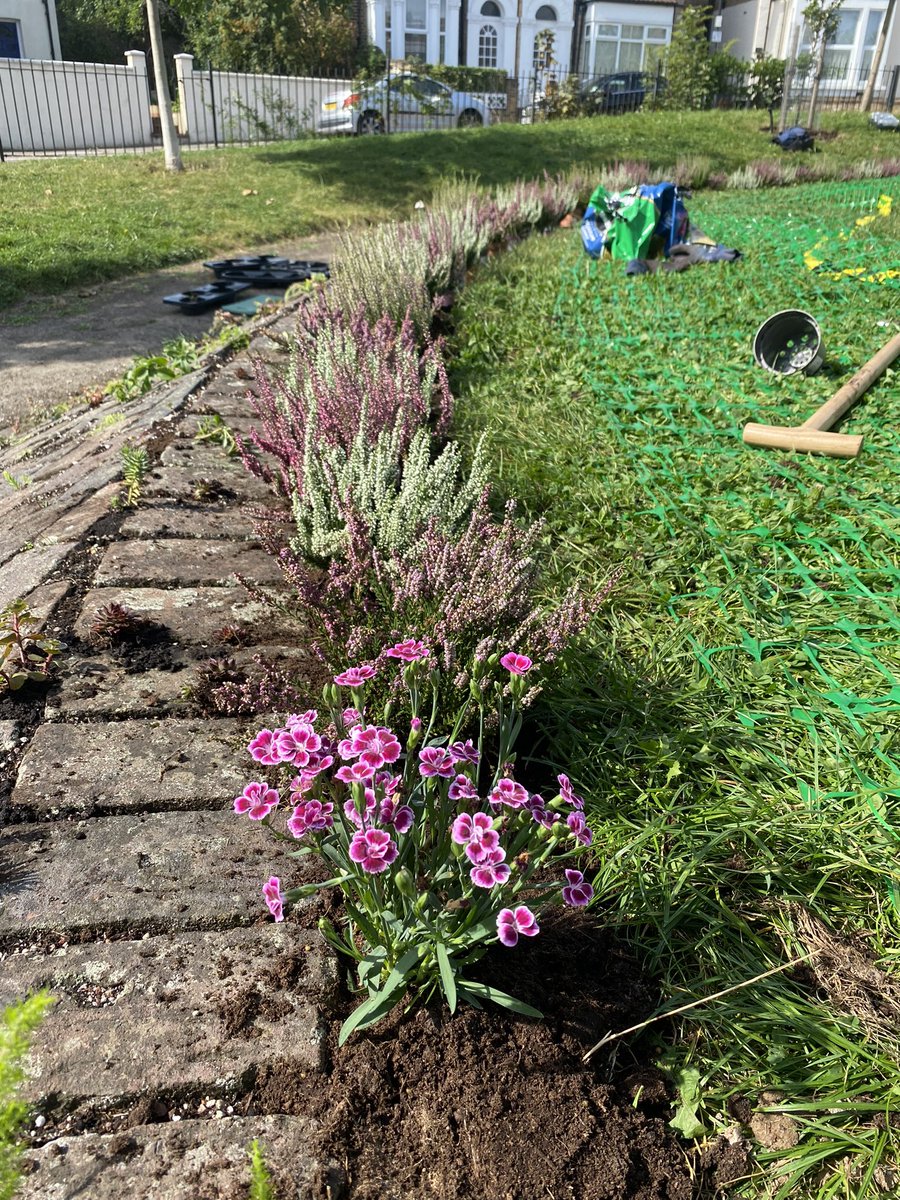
column 135, row 468
column 24, row 655
column 214, row 429
column 260, row 1180
column 18, row 1023
column 16, row 482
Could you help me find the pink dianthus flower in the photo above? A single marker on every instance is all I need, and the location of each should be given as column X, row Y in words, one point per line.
column 491, row 869
column 409, row 651
column 355, row 676
column 373, row 849
column 274, row 897
column 577, row 893
column 513, row 923
column 264, row 749
column 256, row 800
column 516, row 664
column 434, row 760
column 510, row 793
column 311, row 815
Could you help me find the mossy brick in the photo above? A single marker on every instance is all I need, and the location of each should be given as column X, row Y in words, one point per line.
column 193, row 616
column 188, row 1012
column 142, row 872
column 31, row 568
column 132, row 766
column 184, row 562
column 102, row 687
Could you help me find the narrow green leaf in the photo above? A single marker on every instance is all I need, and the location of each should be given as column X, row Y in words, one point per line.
column 448, row 979
column 377, row 1006
column 503, row 999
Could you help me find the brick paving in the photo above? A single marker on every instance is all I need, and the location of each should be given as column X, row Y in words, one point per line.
column 129, row 888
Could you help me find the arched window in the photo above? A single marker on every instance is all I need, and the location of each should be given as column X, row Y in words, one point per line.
column 542, row 58
column 544, row 13
column 487, row 46
column 490, row 9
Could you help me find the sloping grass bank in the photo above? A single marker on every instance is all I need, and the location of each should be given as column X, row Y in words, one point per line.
column 68, row 222
column 734, row 727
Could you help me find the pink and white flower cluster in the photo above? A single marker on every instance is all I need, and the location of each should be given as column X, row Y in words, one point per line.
column 376, row 806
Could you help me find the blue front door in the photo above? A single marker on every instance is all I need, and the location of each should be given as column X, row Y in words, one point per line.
column 9, row 40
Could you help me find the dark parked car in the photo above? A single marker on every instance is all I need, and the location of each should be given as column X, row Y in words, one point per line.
column 623, row 91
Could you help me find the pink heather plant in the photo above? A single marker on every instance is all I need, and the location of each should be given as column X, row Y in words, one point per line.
column 347, row 373
column 466, row 596
column 431, row 847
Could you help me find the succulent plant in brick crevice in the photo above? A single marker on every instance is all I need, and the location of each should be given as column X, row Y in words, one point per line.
column 115, row 625
column 25, row 653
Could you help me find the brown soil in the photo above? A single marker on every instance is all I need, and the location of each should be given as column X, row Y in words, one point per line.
column 489, row 1105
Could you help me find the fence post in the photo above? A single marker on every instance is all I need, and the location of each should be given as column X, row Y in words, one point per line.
column 889, row 101
column 212, row 107
column 789, row 73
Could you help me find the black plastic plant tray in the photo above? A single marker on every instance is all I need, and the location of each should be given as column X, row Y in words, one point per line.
column 210, row 295
column 277, row 276
column 251, row 262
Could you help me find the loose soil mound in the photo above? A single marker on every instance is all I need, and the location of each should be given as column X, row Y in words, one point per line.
column 489, row 1106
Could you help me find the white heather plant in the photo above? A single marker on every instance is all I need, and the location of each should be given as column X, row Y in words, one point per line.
column 431, row 839
column 394, row 497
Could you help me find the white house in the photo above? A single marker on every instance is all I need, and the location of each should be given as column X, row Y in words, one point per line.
column 624, row 36
column 475, row 33
column 769, row 25
column 28, row 29
column 590, row 36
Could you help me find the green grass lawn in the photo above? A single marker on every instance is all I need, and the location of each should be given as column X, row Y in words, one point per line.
column 66, row 222
column 735, row 724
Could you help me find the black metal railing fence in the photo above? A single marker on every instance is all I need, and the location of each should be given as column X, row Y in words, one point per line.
column 52, row 108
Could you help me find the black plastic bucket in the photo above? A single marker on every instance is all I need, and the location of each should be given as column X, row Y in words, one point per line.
column 788, row 342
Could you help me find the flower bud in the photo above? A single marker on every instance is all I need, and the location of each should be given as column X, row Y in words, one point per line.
column 422, row 903
column 327, row 930
column 404, row 882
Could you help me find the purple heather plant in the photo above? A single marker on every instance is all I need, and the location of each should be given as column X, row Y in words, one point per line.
column 464, row 596
column 434, row 844
column 347, row 372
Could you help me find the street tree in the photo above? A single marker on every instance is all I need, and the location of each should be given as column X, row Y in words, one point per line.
column 822, row 19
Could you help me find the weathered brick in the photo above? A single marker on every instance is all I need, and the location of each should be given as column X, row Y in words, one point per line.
column 132, row 765
column 187, row 483
column 187, row 1160
column 184, row 562
column 186, row 1011
column 150, row 871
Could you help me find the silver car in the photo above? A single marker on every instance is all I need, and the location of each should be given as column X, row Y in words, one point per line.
column 399, row 104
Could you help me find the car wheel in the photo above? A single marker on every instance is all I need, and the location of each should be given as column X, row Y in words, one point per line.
column 469, row 119
column 370, row 122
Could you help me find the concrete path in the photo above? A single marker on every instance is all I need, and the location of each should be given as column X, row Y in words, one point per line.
column 52, row 348
column 127, row 885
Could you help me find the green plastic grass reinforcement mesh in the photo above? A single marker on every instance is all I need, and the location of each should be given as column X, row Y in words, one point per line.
column 782, row 569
